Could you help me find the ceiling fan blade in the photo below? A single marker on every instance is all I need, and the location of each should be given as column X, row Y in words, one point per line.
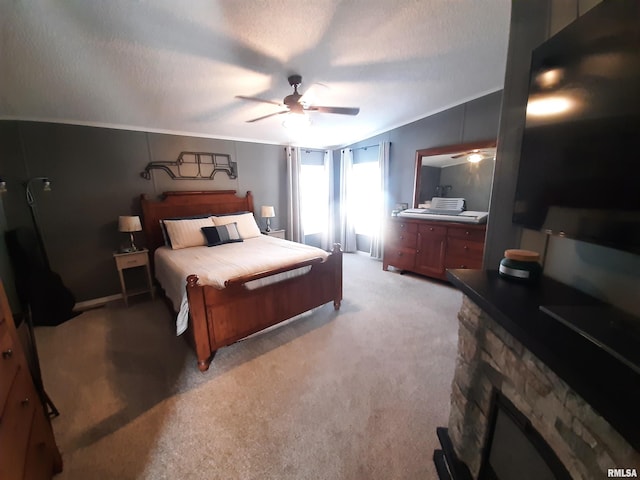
column 267, row 116
column 464, row 154
column 338, row 110
column 261, row 100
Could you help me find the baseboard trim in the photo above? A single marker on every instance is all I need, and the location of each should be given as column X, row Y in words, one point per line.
column 96, row 302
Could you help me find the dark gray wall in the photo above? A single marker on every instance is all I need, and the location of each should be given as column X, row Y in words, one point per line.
column 95, row 175
column 472, row 121
column 608, row 274
column 471, row 181
column 429, row 180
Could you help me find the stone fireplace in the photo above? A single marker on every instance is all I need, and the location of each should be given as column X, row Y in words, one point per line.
column 490, row 359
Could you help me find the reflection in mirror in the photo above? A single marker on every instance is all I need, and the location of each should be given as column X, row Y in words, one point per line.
column 457, row 171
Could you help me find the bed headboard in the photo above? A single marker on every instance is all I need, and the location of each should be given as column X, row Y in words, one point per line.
column 182, row 204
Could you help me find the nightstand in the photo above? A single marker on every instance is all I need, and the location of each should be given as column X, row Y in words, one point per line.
column 275, row 233
column 139, row 258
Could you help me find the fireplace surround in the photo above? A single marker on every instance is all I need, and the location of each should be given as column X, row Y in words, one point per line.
column 581, row 400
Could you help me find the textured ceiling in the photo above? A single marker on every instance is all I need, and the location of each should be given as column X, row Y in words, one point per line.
column 171, row 66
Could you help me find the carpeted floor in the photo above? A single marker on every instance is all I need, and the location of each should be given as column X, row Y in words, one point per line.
column 354, row 394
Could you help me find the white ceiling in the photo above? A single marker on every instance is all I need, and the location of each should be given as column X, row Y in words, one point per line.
column 173, row 66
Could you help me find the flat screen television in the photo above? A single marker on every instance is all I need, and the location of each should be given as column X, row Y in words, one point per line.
column 579, row 173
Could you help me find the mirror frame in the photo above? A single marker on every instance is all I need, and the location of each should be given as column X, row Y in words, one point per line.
column 427, row 152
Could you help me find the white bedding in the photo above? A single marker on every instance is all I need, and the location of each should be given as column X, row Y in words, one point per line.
column 215, row 265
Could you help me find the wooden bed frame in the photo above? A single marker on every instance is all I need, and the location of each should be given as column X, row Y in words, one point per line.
column 220, row 317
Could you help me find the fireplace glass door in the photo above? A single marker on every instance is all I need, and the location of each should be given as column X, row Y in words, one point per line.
column 515, row 450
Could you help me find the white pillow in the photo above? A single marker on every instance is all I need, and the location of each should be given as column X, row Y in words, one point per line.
column 247, row 226
column 187, row 233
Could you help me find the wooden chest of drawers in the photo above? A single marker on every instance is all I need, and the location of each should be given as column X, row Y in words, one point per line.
column 430, row 247
column 401, row 244
column 27, row 445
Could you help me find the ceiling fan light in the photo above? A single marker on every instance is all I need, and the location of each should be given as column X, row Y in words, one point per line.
column 295, row 121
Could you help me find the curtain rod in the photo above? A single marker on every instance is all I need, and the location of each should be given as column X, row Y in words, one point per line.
column 309, row 150
column 365, row 147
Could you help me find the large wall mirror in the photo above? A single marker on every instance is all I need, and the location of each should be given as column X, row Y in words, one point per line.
column 460, row 171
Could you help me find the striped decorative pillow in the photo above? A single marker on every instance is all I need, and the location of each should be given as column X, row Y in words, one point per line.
column 187, row 233
column 222, row 234
column 165, row 235
column 247, row 226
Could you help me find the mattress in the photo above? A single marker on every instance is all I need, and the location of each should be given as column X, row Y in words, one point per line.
column 215, row 265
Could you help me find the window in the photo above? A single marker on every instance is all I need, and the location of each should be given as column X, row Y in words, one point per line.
column 315, row 197
column 364, row 197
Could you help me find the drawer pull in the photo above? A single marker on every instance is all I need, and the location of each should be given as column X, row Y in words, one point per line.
column 399, row 254
column 401, row 237
column 466, row 247
column 24, row 402
column 431, row 229
column 8, row 353
column 463, row 266
column 467, row 233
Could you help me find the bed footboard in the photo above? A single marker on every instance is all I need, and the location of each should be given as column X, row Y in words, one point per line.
column 220, row 317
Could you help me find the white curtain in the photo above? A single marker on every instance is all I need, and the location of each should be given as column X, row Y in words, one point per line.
column 347, row 228
column 328, row 237
column 294, row 219
column 377, row 246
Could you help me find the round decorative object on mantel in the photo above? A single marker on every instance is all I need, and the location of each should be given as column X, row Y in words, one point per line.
column 521, row 265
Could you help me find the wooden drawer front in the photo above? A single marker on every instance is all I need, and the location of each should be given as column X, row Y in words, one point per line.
column 476, row 235
column 464, row 253
column 8, row 364
column 399, row 227
column 39, row 463
column 128, row 261
column 432, row 230
column 403, row 258
column 15, row 425
column 404, row 240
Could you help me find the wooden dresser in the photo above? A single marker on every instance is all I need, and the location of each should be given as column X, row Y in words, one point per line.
column 430, row 247
column 27, row 446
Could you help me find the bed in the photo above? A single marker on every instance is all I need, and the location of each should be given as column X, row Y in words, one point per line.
column 218, row 312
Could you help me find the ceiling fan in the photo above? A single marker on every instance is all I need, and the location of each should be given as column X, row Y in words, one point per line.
column 295, row 103
column 476, row 155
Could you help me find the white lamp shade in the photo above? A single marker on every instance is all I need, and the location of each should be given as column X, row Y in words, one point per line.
column 268, row 212
column 128, row 223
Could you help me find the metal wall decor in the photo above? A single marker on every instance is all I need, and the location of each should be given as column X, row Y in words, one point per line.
column 195, row 166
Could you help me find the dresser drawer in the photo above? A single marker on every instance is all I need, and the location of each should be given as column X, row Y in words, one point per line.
column 399, row 227
column 477, row 235
column 403, row 240
column 8, row 363
column 132, row 260
column 40, row 462
column 15, row 425
column 428, row 230
column 463, row 262
column 463, row 253
column 402, row 258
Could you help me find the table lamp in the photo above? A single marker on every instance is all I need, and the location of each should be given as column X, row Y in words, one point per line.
column 130, row 224
column 268, row 212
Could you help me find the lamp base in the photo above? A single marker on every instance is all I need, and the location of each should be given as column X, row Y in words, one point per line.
column 133, row 245
column 268, row 225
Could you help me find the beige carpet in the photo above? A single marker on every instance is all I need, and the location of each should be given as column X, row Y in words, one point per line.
column 355, row 394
